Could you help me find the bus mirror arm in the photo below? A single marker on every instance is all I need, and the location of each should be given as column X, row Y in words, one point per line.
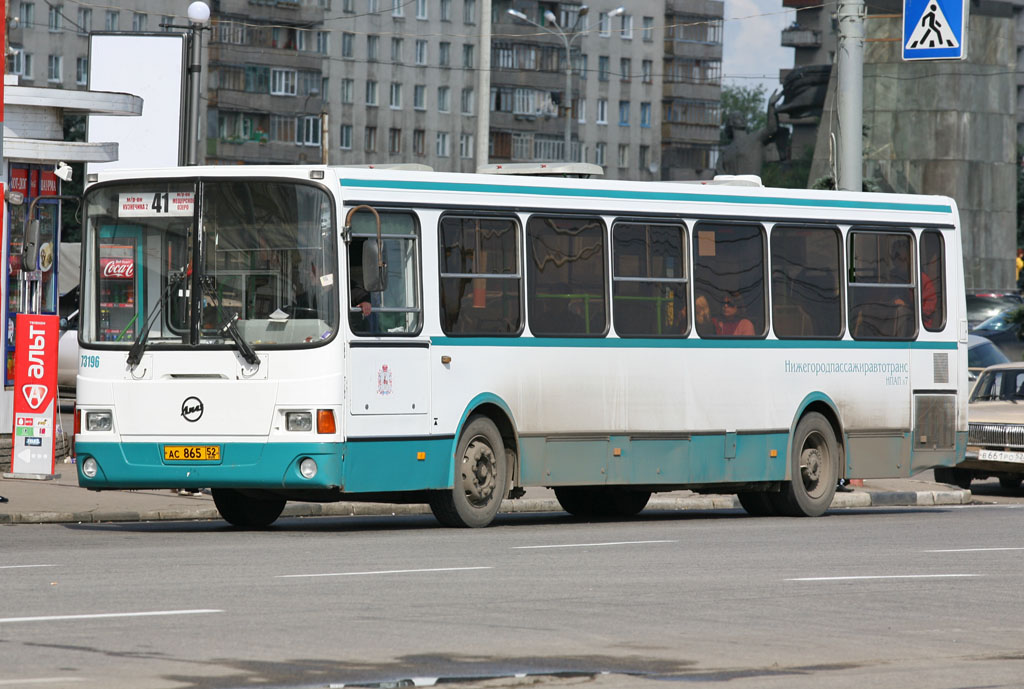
column 374, row 261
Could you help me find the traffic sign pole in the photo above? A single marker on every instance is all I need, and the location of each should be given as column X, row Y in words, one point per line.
column 850, row 95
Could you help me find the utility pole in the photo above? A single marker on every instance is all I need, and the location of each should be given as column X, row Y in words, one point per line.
column 198, row 18
column 483, row 87
column 850, row 96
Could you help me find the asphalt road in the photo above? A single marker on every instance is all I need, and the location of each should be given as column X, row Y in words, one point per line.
column 903, row 597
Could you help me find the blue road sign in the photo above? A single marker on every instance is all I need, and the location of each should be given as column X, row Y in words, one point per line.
column 934, row 29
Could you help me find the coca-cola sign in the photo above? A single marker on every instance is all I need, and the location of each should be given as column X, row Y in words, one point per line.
column 118, row 268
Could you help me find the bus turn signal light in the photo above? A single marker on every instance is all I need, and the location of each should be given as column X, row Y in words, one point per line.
column 325, row 421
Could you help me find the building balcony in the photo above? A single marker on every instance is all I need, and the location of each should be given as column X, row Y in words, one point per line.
column 799, row 37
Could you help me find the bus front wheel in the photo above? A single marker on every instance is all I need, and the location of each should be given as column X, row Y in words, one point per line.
column 481, row 478
column 814, row 469
column 240, row 509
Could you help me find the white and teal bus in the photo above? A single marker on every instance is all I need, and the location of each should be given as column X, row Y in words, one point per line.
column 330, row 333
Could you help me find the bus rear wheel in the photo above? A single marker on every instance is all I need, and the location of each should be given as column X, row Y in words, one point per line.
column 481, row 478
column 246, row 511
column 814, row 469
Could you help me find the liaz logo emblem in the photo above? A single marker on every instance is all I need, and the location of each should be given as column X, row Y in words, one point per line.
column 34, row 394
column 192, row 409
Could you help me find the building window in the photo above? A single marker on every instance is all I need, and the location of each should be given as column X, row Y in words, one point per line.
column 112, row 21
column 283, row 82
column 467, row 101
column 371, row 92
column 54, row 17
column 309, row 130
column 623, row 155
column 370, row 140
column 646, row 68
column 627, row 27
column 397, row 8
column 648, row 29
column 419, row 97
column 16, row 61
column 445, row 57
column 348, row 41
column 27, row 14
column 467, row 55
column 602, row 68
column 282, row 129
column 579, row 106
column 465, row 145
column 625, row 69
column 602, row 111
column 396, row 96
column 645, row 114
column 623, row 113
column 82, row 71
column 443, row 145
column 372, row 6
column 599, row 149
column 84, row 20
column 54, row 67
column 443, row 99
column 345, row 137
column 396, row 50
column 421, row 52
column 347, row 90
column 165, row 23
column 323, row 42
column 469, row 12
column 419, row 138
column 421, row 9
column 372, row 46
column 139, row 21
column 645, row 158
column 394, row 141
column 348, row 5
column 446, row 10
column 604, row 24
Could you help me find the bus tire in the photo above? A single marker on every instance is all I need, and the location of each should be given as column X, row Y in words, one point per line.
column 757, row 503
column 961, row 478
column 245, row 511
column 481, row 478
column 1010, row 482
column 578, row 501
column 814, row 469
column 588, row 502
column 623, row 502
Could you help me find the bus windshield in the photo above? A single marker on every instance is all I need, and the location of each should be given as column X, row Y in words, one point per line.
column 196, row 263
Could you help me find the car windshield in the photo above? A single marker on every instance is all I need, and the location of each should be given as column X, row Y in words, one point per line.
column 981, row 307
column 999, row 384
column 1004, row 320
column 254, row 259
column 984, row 355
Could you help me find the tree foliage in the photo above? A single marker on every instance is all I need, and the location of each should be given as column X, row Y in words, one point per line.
column 748, row 102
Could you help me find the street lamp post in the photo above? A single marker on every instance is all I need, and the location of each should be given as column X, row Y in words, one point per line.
column 198, row 18
column 568, row 34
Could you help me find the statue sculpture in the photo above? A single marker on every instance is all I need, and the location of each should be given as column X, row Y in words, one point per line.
column 745, row 154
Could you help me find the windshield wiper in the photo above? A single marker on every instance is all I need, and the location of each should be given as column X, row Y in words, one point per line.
column 135, row 353
column 231, row 328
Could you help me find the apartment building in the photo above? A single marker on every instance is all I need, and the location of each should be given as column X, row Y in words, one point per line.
column 389, row 81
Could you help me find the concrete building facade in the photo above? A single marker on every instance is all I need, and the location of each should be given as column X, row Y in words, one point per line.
column 389, row 81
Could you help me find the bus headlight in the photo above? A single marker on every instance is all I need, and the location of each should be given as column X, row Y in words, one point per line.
column 99, row 421
column 90, row 468
column 298, row 421
column 307, row 467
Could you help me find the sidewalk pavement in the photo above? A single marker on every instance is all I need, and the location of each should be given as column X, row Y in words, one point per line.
column 60, row 500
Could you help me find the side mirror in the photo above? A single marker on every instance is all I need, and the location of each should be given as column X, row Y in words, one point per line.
column 375, row 266
column 30, row 249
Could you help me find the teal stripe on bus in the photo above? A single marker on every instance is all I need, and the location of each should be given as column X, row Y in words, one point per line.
column 681, row 343
column 632, row 195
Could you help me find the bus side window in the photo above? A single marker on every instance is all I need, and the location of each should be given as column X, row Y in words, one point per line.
column 933, row 287
column 881, row 291
column 481, row 283
column 567, row 278
column 649, row 294
column 728, row 275
column 805, row 282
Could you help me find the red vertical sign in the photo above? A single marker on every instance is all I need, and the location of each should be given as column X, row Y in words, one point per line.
column 35, row 394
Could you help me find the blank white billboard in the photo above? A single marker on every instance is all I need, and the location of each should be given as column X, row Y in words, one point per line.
column 151, row 66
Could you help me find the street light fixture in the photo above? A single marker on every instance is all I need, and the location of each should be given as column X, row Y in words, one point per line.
column 198, row 18
column 568, row 34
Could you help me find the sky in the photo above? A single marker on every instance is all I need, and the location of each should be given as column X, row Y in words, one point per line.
column 752, row 54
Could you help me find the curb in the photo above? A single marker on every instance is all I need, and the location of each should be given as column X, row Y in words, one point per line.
column 365, row 509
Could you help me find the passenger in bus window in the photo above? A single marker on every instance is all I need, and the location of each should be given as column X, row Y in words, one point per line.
column 734, row 321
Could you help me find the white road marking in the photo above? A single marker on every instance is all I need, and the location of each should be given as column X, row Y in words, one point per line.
column 38, row 680
column 970, row 550
column 885, row 576
column 24, row 566
column 98, row 616
column 383, row 571
column 586, row 545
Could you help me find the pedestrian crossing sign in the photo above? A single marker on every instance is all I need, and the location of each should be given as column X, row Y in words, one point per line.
column 935, row 29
